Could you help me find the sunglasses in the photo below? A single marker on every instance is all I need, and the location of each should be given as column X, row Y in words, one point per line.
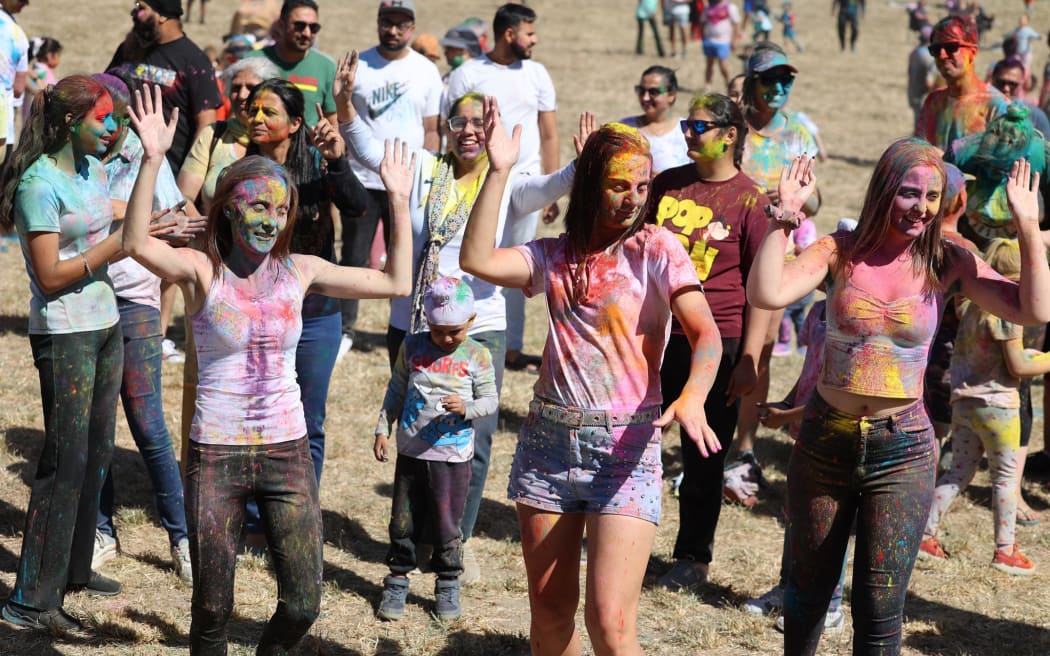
column 949, row 48
column 700, row 126
column 769, row 79
column 1003, row 85
column 300, row 26
column 459, row 123
column 652, row 91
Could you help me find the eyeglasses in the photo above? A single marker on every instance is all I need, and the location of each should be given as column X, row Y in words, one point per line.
column 949, row 48
column 300, row 26
column 700, row 126
column 386, row 24
column 1006, row 85
column 459, row 123
column 768, row 79
column 652, row 91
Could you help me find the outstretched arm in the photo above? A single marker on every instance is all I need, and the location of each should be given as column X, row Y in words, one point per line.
column 478, row 255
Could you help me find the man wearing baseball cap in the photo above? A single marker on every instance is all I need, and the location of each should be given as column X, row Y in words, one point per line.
column 966, row 105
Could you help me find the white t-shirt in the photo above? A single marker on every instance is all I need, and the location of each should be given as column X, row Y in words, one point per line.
column 669, row 150
column 14, row 59
column 719, row 22
column 393, row 98
column 523, row 90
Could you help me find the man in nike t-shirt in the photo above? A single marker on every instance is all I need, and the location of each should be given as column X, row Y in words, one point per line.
column 397, row 92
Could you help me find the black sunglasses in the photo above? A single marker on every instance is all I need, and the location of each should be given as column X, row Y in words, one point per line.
column 773, row 77
column 700, row 126
column 652, row 91
column 949, row 48
column 300, row 26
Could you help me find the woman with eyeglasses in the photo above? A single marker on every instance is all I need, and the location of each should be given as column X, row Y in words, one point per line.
column 657, row 92
column 866, row 451
column 716, row 212
column 774, row 139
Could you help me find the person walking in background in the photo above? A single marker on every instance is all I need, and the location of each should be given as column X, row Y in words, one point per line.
column 849, row 13
column 55, row 196
column 442, row 381
column 657, row 91
column 676, row 18
column 646, row 14
column 787, row 19
column 397, row 93
column 721, row 21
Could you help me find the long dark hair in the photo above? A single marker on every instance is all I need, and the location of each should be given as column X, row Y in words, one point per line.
column 585, row 199
column 303, row 161
column 46, row 132
column 724, row 110
column 927, row 252
column 218, row 236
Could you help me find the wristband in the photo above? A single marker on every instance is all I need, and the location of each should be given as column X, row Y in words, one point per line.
column 87, row 267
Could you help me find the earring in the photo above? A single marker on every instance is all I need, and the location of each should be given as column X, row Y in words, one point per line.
column 725, row 146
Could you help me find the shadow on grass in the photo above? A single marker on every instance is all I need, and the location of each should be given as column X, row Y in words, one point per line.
column 962, row 631
column 712, row 594
column 14, row 325
column 490, row 644
column 349, row 535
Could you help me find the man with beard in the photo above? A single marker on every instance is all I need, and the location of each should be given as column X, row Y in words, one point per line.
column 157, row 51
column 397, row 93
column 966, row 105
column 293, row 54
column 526, row 97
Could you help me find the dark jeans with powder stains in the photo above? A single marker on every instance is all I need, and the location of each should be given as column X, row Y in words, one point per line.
column 219, row 480
column 79, row 383
column 429, row 496
column 881, row 472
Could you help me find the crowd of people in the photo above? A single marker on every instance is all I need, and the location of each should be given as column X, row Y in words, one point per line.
column 688, row 256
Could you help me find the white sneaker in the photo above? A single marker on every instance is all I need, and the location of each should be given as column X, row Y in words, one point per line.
column 345, row 344
column 105, row 549
column 171, row 353
column 834, row 621
column 180, row 558
column 767, row 603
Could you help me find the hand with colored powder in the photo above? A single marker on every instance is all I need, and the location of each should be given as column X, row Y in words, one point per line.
column 688, row 411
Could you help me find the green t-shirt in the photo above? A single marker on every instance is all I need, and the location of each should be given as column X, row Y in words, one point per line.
column 314, row 76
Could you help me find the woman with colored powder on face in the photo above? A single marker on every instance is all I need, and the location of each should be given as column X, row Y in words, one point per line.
column 315, row 160
column 54, row 194
column 588, row 455
column 443, row 193
column 716, row 212
column 775, row 137
column 245, row 296
column 657, row 92
column 866, row 449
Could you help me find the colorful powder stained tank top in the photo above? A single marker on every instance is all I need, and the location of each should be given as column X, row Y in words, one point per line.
column 247, row 392
column 875, row 347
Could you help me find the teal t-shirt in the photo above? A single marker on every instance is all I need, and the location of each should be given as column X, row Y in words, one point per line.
column 77, row 207
column 314, row 76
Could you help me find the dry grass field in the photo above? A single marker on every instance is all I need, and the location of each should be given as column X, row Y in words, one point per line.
column 961, row 609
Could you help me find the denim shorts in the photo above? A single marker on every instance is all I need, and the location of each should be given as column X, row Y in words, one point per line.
column 716, row 50
column 588, row 469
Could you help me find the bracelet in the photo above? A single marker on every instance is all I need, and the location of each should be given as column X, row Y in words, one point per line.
column 786, row 220
column 87, row 267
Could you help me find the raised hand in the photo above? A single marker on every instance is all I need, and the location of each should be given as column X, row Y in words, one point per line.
column 343, row 87
column 397, row 169
column 1022, row 193
column 587, row 126
column 147, row 117
column 502, row 150
column 326, row 138
column 797, row 182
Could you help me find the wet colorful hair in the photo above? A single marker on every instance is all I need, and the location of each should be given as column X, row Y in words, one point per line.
column 724, row 110
column 46, row 131
column 585, row 199
column 927, row 251
column 218, row 236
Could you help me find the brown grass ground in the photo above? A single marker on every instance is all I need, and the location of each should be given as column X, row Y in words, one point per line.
column 962, row 608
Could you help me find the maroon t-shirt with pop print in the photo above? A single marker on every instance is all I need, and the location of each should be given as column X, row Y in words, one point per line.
column 720, row 225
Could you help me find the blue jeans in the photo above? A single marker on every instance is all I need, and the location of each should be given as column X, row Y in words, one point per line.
column 484, row 427
column 880, row 472
column 314, row 362
column 219, row 480
column 79, row 382
column 140, row 391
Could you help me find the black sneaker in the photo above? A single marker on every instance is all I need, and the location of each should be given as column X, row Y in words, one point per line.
column 97, row 586
column 446, row 599
column 56, row 620
column 395, row 594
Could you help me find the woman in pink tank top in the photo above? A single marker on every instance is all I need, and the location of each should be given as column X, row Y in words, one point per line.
column 244, row 295
column 866, row 448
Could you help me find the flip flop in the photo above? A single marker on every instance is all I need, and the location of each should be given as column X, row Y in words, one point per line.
column 527, row 363
column 1027, row 517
